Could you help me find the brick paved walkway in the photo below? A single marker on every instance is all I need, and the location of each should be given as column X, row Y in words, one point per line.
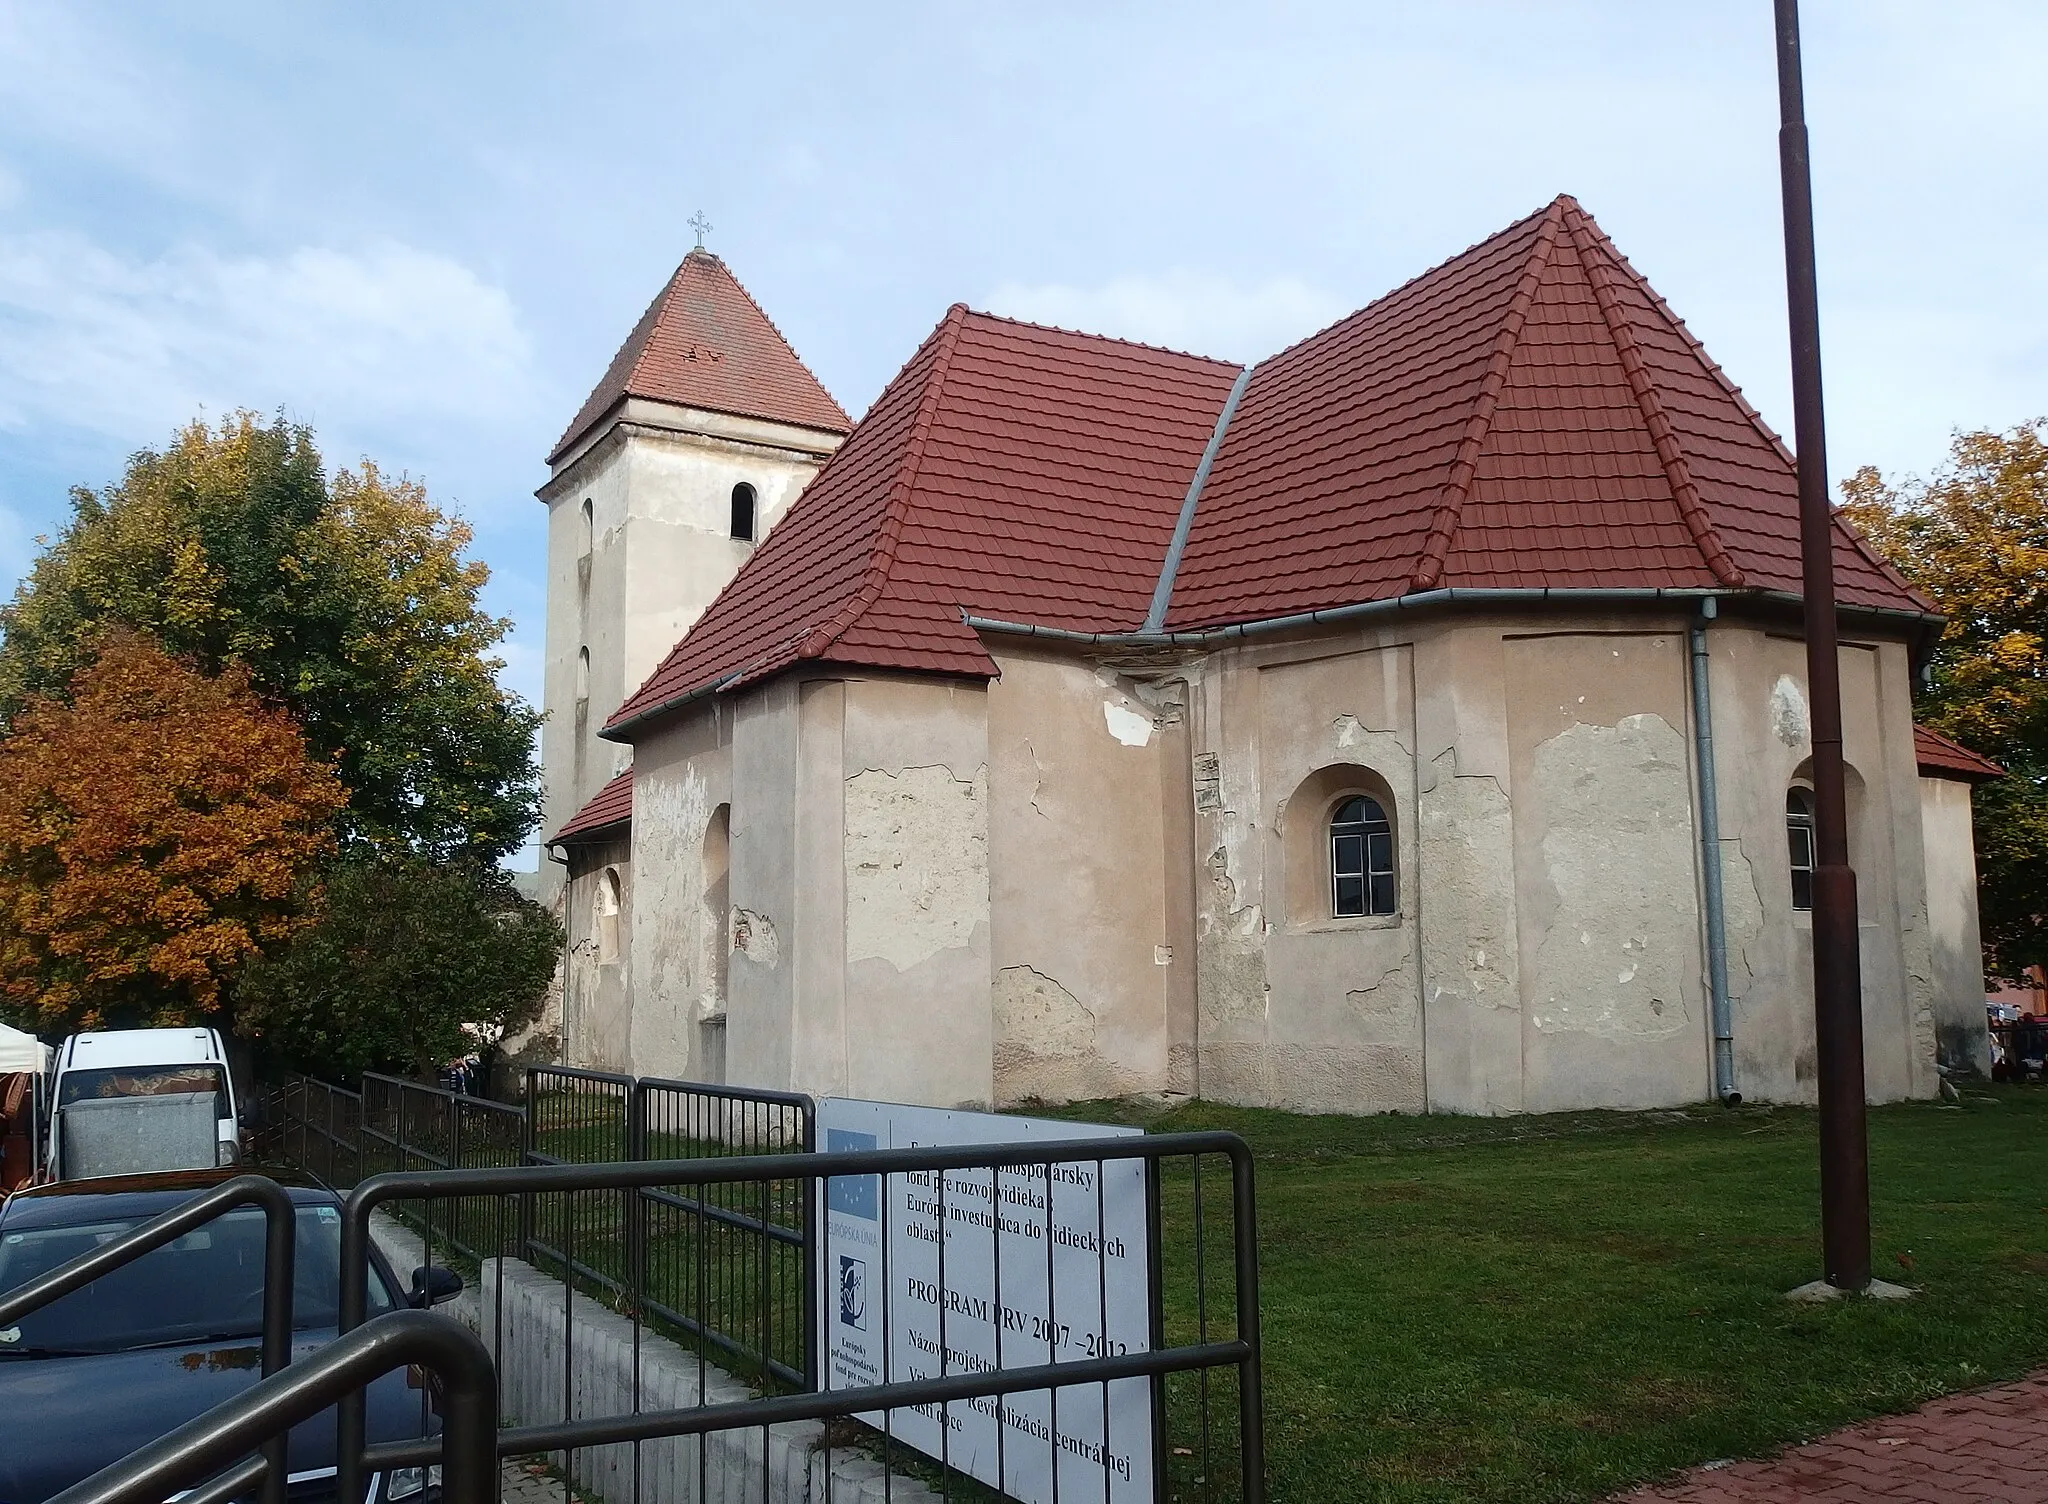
column 1991, row 1445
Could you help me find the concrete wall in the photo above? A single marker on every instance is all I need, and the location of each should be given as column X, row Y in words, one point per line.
column 1962, row 1041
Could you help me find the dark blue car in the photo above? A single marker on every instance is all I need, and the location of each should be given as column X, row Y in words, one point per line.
column 88, row 1379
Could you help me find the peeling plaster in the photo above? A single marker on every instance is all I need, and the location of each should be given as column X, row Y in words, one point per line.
column 753, row 936
column 1127, row 725
column 1045, row 1046
column 916, row 863
column 1466, row 861
column 1617, row 860
column 1789, row 717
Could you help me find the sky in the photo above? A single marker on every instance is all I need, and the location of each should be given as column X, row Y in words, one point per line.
column 423, row 229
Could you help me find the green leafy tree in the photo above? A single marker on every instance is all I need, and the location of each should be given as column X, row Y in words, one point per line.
column 349, row 600
column 401, row 961
column 1974, row 538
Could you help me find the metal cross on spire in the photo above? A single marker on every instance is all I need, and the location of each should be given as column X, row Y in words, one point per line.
column 701, row 225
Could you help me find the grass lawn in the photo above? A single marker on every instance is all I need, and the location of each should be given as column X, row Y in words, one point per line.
column 1552, row 1308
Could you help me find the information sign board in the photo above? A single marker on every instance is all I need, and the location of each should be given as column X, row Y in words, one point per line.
column 978, row 1270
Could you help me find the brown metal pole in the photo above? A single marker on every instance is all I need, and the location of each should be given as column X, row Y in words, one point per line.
column 1837, row 968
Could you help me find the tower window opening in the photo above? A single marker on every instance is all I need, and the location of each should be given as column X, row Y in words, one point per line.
column 743, row 512
column 589, row 524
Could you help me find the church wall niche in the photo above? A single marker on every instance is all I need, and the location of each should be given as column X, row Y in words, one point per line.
column 596, row 974
column 1080, row 939
column 914, row 875
column 1606, row 862
column 682, row 774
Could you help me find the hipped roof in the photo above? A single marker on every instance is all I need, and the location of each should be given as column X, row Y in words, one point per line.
column 1938, row 757
column 704, row 342
column 1527, row 415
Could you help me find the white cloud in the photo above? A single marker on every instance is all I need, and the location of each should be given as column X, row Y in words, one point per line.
column 1182, row 310
column 356, row 340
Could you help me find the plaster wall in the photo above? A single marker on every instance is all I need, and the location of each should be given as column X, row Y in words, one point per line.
column 1762, row 732
column 586, row 589
column 597, row 969
column 1962, row 1041
column 1079, row 759
column 1606, row 862
column 682, row 782
column 913, row 877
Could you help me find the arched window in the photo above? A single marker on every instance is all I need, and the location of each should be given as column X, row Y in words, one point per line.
column 589, row 524
column 583, row 673
column 1361, row 859
column 1799, row 835
column 743, row 512
column 607, row 916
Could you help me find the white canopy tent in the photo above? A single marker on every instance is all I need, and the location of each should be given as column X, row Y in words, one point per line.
column 22, row 1052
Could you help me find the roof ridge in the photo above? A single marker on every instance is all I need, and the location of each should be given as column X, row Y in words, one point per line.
column 1722, row 379
column 773, row 327
column 1451, row 501
column 883, row 555
column 1400, row 287
column 1095, row 334
column 1692, row 507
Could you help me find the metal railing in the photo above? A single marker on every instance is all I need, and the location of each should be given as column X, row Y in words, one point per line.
column 262, row 1416
column 726, row 1269
column 280, row 1245
column 1207, row 1338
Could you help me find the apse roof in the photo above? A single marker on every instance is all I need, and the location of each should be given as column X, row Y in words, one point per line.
column 1527, row 415
column 612, row 806
column 704, row 342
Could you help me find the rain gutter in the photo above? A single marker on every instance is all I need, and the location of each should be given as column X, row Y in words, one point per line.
column 1155, row 618
column 1418, row 600
column 616, row 732
column 1710, row 859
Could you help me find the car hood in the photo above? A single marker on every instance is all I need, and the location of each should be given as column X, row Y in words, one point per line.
column 66, row 1418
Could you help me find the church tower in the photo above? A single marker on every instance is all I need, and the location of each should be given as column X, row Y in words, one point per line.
column 702, row 432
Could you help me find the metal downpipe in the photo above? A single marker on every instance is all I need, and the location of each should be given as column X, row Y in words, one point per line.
column 1710, row 862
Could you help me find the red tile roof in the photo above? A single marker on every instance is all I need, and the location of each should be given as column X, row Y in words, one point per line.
column 1009, row 470
column 1941, row 758
column 1528, row 414
column 704, row 342
column 610, row 808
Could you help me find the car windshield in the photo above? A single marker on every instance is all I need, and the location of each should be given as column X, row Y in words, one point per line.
column 207, row 1286
column 143, row 1081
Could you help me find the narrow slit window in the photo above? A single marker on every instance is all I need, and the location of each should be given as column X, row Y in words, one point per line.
column 743, row 512
column 1799, row 836
column 1361, row 860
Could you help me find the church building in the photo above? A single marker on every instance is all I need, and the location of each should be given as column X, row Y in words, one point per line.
column 1412, row 721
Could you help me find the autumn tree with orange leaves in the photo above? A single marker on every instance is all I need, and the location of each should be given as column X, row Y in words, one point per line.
column 155, row 832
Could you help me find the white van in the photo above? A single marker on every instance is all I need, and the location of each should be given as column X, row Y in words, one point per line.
column 135, row 1101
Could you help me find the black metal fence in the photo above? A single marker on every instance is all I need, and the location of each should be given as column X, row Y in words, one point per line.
column 1054, row 1390
column 725, row 1268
